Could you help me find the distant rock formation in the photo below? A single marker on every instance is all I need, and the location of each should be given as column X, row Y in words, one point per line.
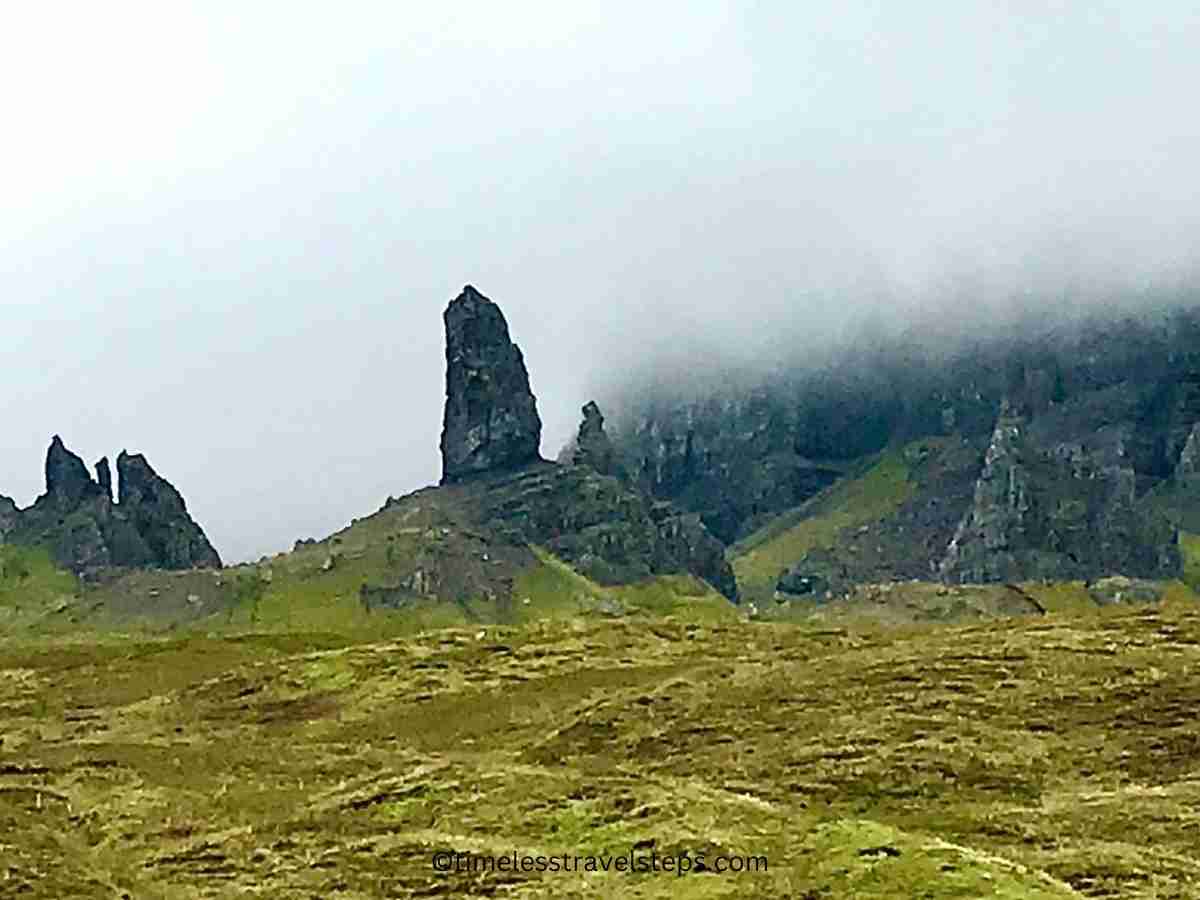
column 158, row 514
column 67, row 480
column 610, row 532
column 1189, row 459
column 592, row 446
column 104, row 477
column 491, row 421
column 1062, row 511
column 86, row 532
column 490, row 439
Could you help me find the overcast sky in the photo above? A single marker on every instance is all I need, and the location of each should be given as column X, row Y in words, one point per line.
column 228, row 231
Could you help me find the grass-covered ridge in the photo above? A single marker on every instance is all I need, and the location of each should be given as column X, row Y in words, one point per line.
column 1045, row 757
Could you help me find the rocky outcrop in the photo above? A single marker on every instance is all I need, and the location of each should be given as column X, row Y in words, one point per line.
column 577, row 509
column 1063, row 511
column 159, row 515
column 104, row 477
column 491, row 422
column 87, row 532
column 610, row 532
column 67, row 480
column 592, row 445
column 740, row 449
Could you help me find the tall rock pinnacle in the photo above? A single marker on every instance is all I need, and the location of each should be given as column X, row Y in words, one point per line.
column 491, row 421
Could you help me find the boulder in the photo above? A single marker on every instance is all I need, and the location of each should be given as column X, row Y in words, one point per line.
column 491, row 422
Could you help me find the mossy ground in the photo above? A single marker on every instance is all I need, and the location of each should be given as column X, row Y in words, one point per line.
column 1040, row 757
column 1189, row 550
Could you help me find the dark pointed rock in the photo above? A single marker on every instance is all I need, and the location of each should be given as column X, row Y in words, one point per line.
column 592, row 446
column 67, row 480
column 1057, row 512
column 491, row 421
column 158, row 515
column 104, row 477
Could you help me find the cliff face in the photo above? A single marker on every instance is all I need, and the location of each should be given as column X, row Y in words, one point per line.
column 1057, row 454
column 86, row 531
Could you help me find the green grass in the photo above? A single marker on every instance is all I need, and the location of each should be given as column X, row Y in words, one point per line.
column 34, row 593
column 1047, row 757
column 759, row 560
column 1189, row 549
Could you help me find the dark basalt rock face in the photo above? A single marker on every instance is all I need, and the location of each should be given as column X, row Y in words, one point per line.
column 1057, row 511
column 158, row 514
column 86, row 532
column 608, row 531
column 491, row 422
column 67, row 480
column 592, row 446
column 104, row 477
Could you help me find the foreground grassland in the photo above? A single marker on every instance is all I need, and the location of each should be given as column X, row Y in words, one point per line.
column 1035, row 757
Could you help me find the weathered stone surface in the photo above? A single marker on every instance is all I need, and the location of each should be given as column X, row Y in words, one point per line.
column 67, row 480
column 592, row 445
column 85, row 531
column 104, row 477
column 1066, row 511
column 159, row 515
column 608, row 531
column 491, row 422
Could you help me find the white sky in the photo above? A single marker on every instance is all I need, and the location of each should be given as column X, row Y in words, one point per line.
column 228, row 230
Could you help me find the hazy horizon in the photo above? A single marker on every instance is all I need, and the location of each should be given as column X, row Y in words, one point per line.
column 229, row 232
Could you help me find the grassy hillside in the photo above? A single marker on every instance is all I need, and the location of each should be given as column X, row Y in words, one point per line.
column 1049, row 757
column 854, row 501
column 33, row 592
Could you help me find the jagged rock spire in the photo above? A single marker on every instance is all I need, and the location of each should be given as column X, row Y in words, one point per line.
column 157, row 512
column 592, row 446
column 104, row 477
column 491, row 421
column 67, row 478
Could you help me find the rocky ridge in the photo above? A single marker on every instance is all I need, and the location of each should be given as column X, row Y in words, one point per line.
column 580, row 510
column 1060, row 453
column 86, row 531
